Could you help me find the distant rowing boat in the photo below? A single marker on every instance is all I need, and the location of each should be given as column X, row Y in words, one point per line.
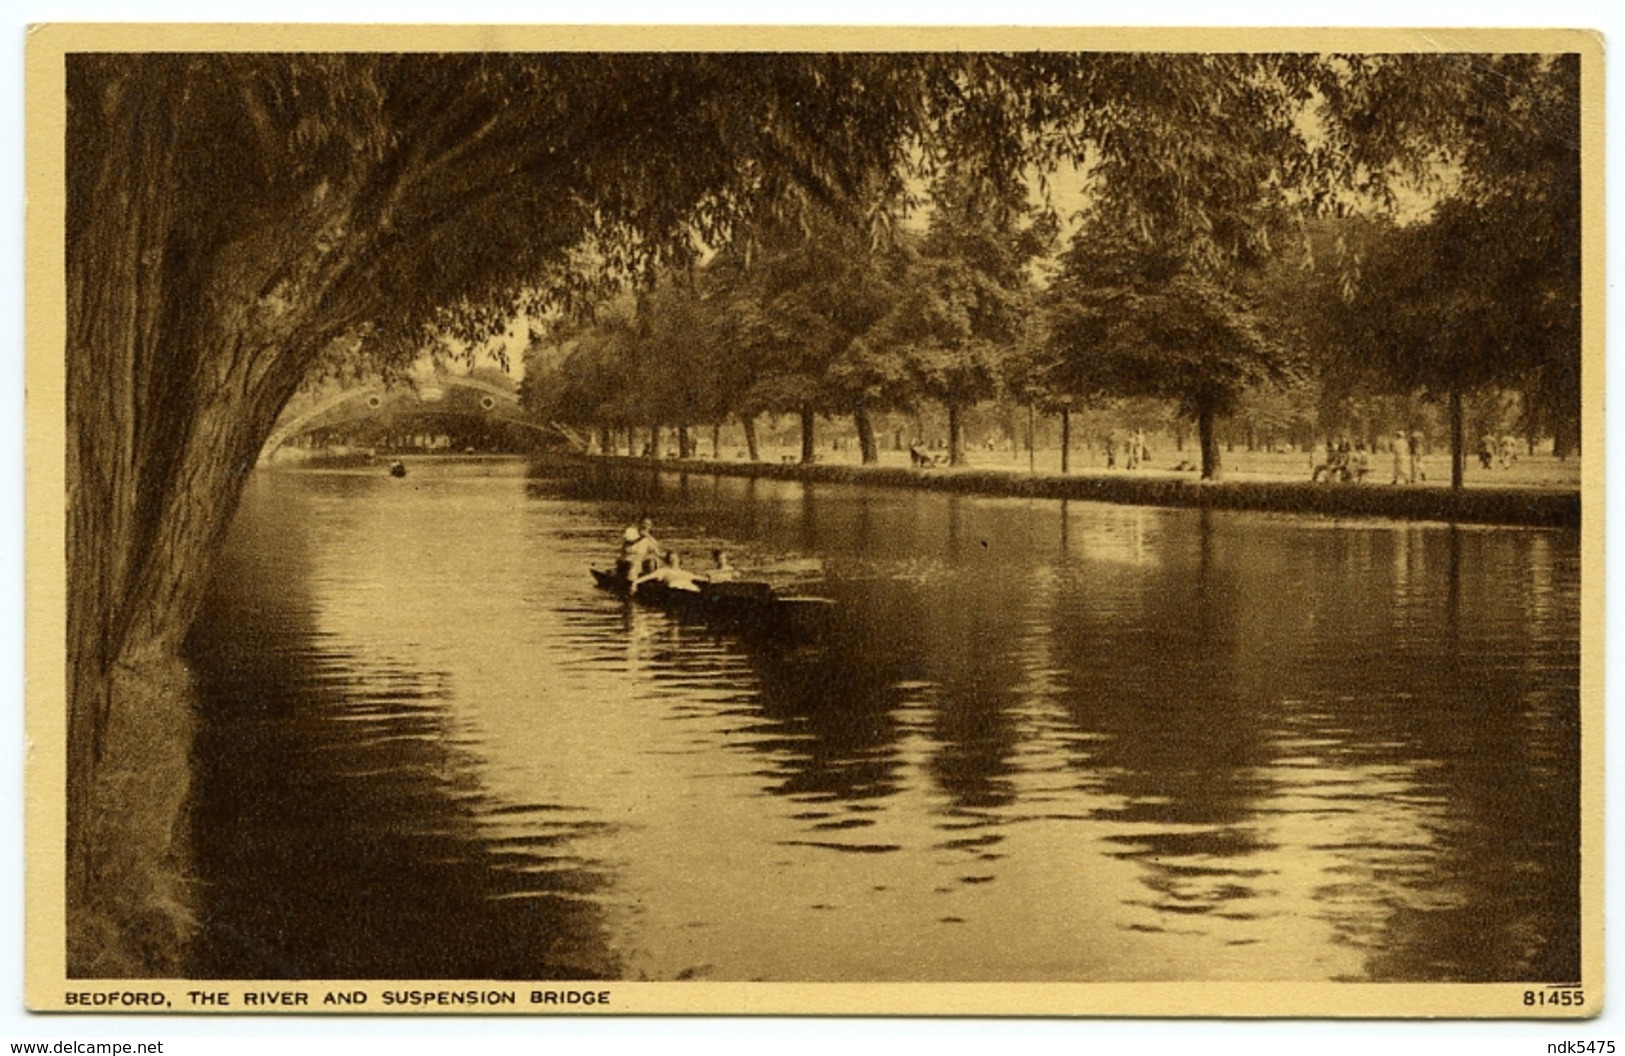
column 747, row 605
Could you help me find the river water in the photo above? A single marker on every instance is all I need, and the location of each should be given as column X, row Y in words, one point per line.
column 1036, row 740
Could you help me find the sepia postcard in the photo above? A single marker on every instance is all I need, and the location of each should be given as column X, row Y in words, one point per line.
column 759, row 521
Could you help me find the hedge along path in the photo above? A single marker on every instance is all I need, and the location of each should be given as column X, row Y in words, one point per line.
column 1520, row 507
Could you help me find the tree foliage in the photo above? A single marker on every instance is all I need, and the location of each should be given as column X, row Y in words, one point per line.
column 1482, row 293
column 959, row 319
column 799, row 302
column 1127, row 319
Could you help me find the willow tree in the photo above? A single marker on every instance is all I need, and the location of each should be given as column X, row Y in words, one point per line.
column 235, row 219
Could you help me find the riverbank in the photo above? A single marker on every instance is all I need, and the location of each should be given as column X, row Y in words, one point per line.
column 1543, row 507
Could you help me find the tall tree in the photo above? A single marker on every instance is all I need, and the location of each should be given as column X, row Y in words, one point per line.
column 798, row 301
column 590, row 380
column 1152, row 298
column 785, row 347
column 1129, row 319
column 1485, row 289
column 1441, row 307
column 969, row 294
column 1036, row 376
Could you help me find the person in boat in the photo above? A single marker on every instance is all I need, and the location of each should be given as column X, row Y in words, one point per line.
column 640, row 552
column 672, row 574
column 625, row 561
column 721, row 570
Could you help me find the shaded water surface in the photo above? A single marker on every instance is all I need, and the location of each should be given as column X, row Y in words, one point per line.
column 1038, row 741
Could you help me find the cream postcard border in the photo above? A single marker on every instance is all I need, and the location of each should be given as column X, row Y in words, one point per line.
column 46, row 984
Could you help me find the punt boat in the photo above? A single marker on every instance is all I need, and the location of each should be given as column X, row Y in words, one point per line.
column 743, row 604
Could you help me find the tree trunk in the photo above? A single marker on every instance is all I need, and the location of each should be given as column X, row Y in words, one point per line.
column 685, row 442
column 716, row 440
column 1066, row 440
column 606, row 440
column 1032, row 440
column 956, row 436
column 177, row 365
column 1565, row 438
column 131, row 698
column 752, row 448
column 654, row 442
column 868, row 447
column 1458, row 446
column 1212, row 462
column 809, row 440
column 164, row 430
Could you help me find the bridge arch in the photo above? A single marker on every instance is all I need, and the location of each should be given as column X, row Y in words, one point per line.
column 499, row 403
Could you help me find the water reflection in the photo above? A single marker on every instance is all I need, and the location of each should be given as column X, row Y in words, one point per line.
column 343, row 825
column 1041, row 740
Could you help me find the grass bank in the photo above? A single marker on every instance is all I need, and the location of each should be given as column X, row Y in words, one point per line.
column 1530, row 507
